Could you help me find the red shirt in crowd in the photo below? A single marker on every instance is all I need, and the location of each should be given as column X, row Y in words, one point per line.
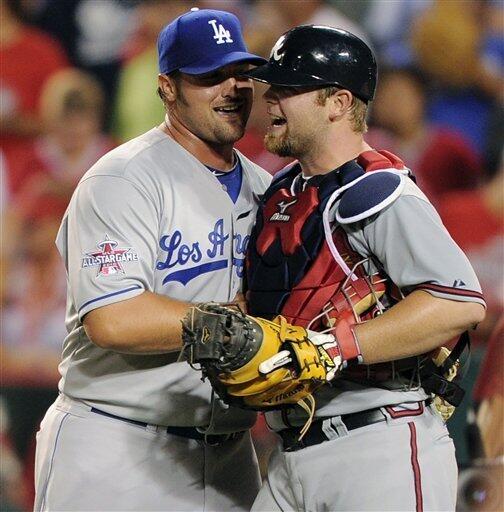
column 447, row 163
column 27, row 62
column 480, row 234
column 491, row 376
column 444, row 162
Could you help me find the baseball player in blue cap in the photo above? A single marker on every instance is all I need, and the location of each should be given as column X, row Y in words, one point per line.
column 156, row 224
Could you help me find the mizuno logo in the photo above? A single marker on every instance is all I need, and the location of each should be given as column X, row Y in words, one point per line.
column 283, row 205
column 281, row 215
column 458, row 283
column 286, row 395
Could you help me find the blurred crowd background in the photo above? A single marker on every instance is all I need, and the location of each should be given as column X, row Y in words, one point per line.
column 78, row 77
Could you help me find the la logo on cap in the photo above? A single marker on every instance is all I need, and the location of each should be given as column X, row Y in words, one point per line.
column 221, row 34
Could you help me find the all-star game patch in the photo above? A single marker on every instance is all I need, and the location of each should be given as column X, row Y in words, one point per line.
column 109, row 258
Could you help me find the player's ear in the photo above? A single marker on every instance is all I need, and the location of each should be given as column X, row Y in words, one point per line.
column 167, row 87
column 340, row 103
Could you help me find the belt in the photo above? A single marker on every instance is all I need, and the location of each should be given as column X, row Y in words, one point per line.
column 316, row 435
column 187, row 432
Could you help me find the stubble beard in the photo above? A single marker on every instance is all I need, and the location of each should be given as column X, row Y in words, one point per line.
column 287, row 145
column 214, row 132
column 229, row 133
column 277, row 145
column 225, row 134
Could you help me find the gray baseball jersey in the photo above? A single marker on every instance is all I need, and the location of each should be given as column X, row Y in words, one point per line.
column 417, row 252
column 395, row 452
column 149, row 216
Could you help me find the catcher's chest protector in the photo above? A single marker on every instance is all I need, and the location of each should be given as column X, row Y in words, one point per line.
column 291, row 270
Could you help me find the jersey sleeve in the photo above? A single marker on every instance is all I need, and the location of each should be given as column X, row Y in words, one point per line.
column 108, row 240
column 417, row 252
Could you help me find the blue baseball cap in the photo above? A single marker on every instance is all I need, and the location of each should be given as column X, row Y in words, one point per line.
column 201, row 41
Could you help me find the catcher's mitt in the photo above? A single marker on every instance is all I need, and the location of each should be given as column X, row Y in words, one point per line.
column 258, row 364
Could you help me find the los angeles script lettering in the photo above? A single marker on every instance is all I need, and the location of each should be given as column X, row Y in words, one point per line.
column 181, row 253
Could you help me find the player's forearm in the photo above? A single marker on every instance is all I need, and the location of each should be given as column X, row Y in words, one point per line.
column 416, row 325
column 146, row 324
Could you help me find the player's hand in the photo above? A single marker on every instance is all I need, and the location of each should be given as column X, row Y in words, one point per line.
column 330, row 352
column 324, row 345
column 240, row 301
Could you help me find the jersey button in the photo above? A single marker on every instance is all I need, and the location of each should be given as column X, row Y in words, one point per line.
column 224, row 188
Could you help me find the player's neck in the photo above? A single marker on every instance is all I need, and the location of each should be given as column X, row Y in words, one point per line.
column 333, row 154
column 219, row 157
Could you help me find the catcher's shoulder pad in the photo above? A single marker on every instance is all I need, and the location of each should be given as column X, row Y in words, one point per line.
column 370, row 194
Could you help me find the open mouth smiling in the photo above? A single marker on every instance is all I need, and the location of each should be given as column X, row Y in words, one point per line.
column 234, row 108
column 277, row 120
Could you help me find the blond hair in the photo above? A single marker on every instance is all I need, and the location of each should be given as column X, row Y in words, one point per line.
column 358, row 109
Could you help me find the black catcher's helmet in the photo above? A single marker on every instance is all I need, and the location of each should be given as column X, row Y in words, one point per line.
column 319, row 55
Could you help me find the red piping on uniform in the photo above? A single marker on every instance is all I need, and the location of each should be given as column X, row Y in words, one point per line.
column 449, row 290
column 401, row 414
column 416, row 468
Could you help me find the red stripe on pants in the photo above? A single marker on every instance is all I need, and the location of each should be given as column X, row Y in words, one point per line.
column 416, row 467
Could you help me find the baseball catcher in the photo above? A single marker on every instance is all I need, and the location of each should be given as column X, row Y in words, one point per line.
column 359, row 284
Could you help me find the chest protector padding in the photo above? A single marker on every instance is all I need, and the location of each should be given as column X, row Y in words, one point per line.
column 290, row 269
